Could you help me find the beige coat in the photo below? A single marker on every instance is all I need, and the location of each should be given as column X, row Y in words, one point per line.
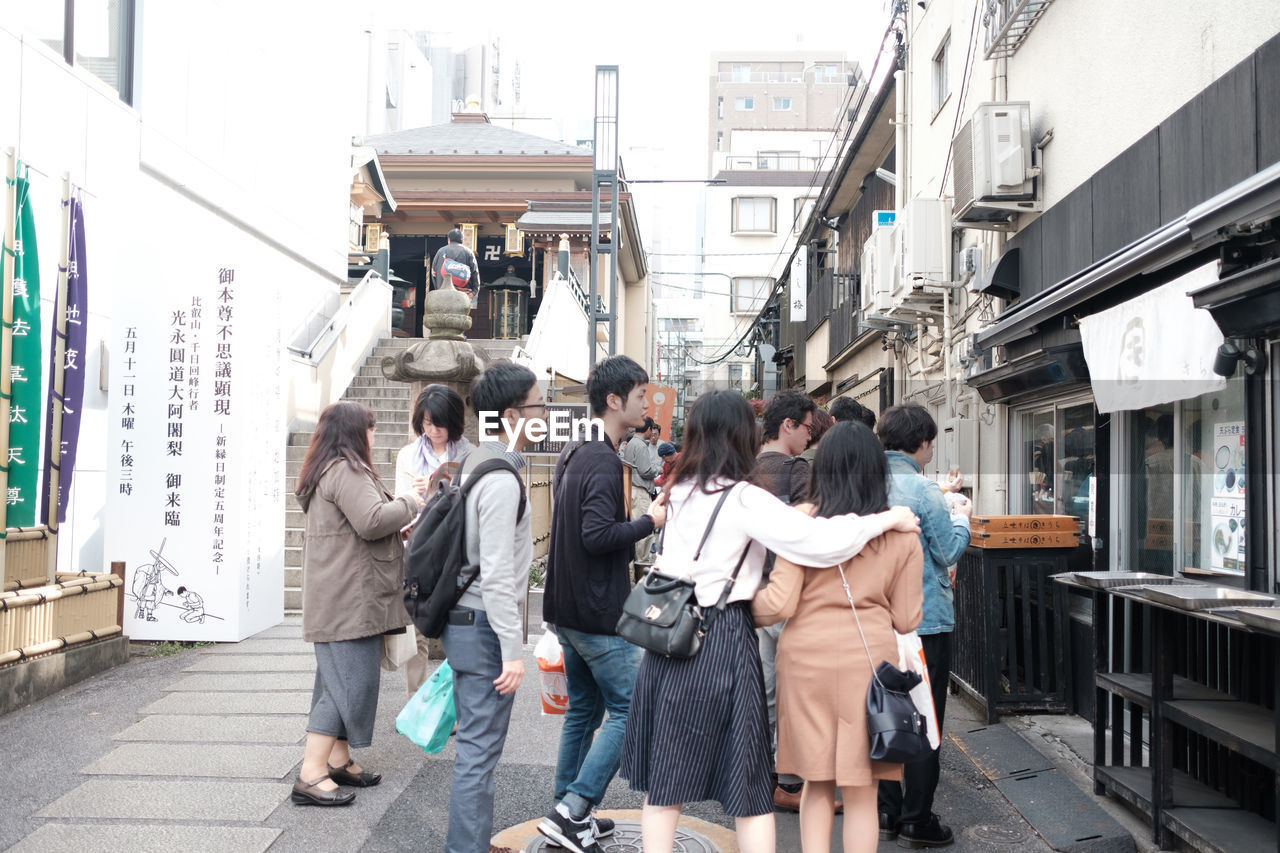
column 352, row 556
column 823, row 674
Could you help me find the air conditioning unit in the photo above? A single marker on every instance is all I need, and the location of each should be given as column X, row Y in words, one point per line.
column 878, row 270
column 995, row 176
column 923, row 246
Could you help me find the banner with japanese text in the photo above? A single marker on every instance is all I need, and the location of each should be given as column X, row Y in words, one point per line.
column 77, row 321
column 196, row 454
column 26, row 369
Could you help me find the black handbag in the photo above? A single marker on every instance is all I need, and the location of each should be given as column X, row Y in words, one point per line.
column 899, row 732
column 662, row 615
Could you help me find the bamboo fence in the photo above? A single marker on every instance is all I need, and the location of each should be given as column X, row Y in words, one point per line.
column 73, row 609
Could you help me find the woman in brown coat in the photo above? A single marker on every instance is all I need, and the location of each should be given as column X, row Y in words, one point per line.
column 352, row 581
column 823, row 673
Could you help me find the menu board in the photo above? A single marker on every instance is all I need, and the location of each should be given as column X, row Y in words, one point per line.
column 1226, row 508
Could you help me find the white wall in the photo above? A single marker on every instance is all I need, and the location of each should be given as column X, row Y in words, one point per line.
column 1099, row 74
column 730, row 255
column 225, row 156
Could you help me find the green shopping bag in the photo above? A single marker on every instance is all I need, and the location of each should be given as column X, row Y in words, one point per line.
column 429, row 716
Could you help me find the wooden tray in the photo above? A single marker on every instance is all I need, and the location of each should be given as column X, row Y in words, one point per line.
column 1042, row 539
column 1025, row 523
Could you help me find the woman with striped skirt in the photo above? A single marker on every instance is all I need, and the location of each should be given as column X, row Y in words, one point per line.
column 698, row 728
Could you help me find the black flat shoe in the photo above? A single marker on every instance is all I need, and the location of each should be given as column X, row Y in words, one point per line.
column 307, row 794
column 363, row 779
column 888, row 827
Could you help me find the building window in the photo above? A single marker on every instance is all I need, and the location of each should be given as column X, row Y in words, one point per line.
column 802, row 210
column 755, row 214
column 941, row 74
column 742, row 73
column 1054, row 459
column 102, row 36
column 1185, row 506
column 826, row 73
column 744, row 104
column 720, row 107
column 749, row 294
column 781, row 104
column 719, row 140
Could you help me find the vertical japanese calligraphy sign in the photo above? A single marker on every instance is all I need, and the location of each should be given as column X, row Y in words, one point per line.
column 25, row 373
column 73, row 363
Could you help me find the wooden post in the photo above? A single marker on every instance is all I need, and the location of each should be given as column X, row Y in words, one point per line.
column 59, row 379
column 6, row 336
column 117, row 568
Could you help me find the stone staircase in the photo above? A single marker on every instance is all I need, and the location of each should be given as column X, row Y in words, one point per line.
column 391, row 406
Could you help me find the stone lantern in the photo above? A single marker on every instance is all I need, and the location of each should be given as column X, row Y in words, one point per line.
column 508, row 306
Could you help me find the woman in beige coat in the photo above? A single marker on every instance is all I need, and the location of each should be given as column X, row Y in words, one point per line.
column 352, row 582
column 823, row 673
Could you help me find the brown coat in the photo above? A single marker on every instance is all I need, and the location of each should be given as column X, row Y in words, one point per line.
column 823, row 673
column 352, row 556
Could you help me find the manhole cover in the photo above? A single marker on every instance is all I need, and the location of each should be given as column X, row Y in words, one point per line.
column 626, row 839
column 997, row 834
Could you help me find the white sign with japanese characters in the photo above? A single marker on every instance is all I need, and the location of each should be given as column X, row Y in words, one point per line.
column 195, row 506
column 799, row 292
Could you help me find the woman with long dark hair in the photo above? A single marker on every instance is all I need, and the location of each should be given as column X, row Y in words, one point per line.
column 352, row 577
column 438, row 419
column 698, row 728
column 823, row 672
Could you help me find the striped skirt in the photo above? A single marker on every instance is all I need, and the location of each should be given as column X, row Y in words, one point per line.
column 698, row 728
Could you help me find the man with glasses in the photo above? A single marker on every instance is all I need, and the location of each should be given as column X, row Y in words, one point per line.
column 788, row 427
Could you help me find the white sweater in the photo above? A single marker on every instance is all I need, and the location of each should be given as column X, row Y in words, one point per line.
column 751, row 514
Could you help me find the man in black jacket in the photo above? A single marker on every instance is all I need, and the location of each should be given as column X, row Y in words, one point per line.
column 588, row 581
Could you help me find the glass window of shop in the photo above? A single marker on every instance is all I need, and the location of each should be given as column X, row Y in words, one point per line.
column 1053, row 458
column 1182, row 485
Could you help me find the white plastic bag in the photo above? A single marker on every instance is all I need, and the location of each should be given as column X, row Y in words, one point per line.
column 553, row 684
column 911, row 659
column 398, row 648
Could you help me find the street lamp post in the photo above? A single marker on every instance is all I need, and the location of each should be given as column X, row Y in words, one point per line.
column 604, row 171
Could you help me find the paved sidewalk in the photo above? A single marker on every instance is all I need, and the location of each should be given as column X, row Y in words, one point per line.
column 196, row 752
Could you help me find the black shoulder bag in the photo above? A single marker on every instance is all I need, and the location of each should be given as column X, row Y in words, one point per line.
column 661, row 615
column 898, row 731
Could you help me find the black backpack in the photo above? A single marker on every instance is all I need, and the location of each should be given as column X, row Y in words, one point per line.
column 437, row 551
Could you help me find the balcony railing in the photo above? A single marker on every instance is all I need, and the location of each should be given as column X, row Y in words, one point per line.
column 782, row 77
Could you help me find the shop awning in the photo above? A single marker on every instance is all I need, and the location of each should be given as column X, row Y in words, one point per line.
column 1247, row 304
column 1036, row 373
column 1254, row 200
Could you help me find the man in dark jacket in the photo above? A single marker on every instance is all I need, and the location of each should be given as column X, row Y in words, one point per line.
column 454, row 265
column 788, row 426
column 588, row 581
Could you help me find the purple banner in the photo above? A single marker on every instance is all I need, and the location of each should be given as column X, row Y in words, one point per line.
column 73, row 361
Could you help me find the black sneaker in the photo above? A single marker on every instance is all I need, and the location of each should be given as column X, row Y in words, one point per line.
column 888, row 827
column 576, row 835
column 931, row 833
column 600, row 826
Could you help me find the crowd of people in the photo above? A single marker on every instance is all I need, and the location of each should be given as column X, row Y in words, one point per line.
column 799, row 516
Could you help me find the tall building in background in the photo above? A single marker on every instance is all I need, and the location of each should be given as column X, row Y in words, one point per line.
column 775, row 90
column 771, row 135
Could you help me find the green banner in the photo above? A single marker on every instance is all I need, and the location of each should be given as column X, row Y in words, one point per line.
column 26, row 373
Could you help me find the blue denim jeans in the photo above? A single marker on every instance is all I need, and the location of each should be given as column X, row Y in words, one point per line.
column 601, row 670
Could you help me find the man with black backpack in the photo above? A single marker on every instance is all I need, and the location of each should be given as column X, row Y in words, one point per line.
column 788, row 426
column 483, row 638
column 588, row 581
